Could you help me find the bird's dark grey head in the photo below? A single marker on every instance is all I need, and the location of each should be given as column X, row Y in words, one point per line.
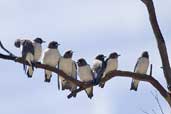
column 114, row 55
column 17, row 43
column 145, row 54
column 100, row 57
column 81, row 62
column 53, row 45
column 68, row 54
column 39, row 40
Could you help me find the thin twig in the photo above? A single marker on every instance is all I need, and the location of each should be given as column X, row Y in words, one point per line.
column 154, row 111
column 158, row 102
column 145, row 112
column 11, row 54
column 151, row 70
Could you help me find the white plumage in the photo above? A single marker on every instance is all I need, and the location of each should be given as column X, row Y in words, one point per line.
column 68, row 66
column 51, row 58
column 140, row 67
column 37, row 51
column 112, row 64
column 86, row 75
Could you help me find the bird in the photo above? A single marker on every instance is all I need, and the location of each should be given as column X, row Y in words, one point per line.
column 27, row 50
column 37, row 44
column 86, row 75
column 111, row 64
column 67, row 65
column 140, row 67
column 51, row 57
column 98, row 67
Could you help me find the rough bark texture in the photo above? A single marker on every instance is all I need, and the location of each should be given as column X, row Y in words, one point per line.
column 160, row 41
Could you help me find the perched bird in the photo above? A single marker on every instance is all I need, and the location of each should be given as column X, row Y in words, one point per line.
column 27, row 49
column 51, row 57
column 85, row 73
column 67, row 65
column 37, row 44
column 140, row 67
column 111, row 64
column 98, row 67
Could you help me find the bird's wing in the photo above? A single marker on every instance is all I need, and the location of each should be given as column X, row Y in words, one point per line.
column 91, row 72
column 96, row 65
column 74, row 70
column 137, row 64
column 27, row 47
column 58, row 75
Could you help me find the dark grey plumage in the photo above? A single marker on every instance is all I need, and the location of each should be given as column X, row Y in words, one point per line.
column 111, row 63
column 27, row 53
column 98, row 67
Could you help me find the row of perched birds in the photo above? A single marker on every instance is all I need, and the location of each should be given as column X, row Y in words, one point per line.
column 32, row 52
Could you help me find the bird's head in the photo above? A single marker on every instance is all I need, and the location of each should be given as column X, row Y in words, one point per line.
column 53, row 45
column 81, row 62
column 39, row 40
column 100, row 57
column 68, row 54
column 114, row 55
column 145, row 54
column 17, row 43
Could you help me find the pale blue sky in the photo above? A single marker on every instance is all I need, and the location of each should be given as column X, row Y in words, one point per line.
column 88, row 27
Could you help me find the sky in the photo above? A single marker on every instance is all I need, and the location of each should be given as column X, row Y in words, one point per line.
column 88, row 27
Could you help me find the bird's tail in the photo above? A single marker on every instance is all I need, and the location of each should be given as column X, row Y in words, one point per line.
column 58, row 82
column 30, row 72
column 134, row 85
column 48, row 75
column 89, row 92
column 74, row 87
column 24, row 67
column 101, row 85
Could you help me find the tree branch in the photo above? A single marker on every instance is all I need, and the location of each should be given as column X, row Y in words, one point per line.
column 160, row 41
column 110, row 75
column 142, row 77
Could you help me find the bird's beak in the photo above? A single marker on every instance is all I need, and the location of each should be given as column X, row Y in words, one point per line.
column 105, row 56
column 43, row 41
column 59, row 44
column 119, row 55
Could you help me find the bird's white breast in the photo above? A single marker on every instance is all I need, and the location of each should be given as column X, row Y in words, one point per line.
column 142, row 65
column 66, row 65
column 51, row 57
column 85, row 73
column 37, row 51
column 112, row 64
column 96, row 64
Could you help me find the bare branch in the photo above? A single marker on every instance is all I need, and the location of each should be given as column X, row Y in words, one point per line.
column 110, row 75
column 142, row 77
column 160, row 41
column 145, row 112
column 1, row 45
column 157, row 100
